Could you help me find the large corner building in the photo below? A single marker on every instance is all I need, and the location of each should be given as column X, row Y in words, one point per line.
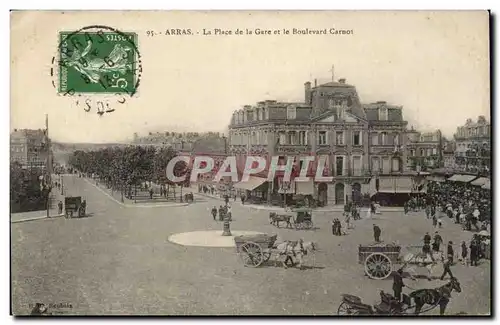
column 365, row 144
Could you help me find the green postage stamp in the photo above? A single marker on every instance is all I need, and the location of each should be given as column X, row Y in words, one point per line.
column 102, row 62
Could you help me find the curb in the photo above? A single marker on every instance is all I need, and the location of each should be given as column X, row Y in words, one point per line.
column 36, row 218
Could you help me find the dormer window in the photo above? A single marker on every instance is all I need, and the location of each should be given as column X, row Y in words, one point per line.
column 291, row 113
column 383, row 114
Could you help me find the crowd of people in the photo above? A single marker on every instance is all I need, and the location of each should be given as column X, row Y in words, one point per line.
column 466, row 205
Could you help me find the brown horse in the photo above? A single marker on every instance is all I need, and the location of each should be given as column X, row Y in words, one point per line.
column 439, row 296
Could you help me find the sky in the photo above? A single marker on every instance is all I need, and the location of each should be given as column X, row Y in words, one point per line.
column 434, row 64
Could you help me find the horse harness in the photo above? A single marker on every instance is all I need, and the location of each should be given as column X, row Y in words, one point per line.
column 293, row 245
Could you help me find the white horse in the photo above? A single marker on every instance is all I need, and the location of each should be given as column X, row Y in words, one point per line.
column 423, row 260
column 287, row 250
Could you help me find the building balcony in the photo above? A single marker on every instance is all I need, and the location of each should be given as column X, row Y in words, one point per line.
column 292, row 148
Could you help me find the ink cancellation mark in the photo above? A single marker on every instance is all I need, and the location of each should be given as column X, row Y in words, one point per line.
column 98, row 60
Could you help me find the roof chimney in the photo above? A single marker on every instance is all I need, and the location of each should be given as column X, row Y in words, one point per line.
column 342, row 80
column 315, row 82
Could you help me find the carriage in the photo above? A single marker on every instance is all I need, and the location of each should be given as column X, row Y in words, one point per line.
column 353, row 305
column 302, row 220
column 72, row 205
column 410, row 304
column 380, row 259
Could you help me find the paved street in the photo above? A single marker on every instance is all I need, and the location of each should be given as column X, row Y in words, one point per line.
column 119, row 261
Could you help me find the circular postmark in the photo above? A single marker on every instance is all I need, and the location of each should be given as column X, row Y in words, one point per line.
column 98, row 66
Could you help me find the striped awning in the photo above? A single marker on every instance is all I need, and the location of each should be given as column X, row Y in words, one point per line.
column 461, row 178
column 480, row 181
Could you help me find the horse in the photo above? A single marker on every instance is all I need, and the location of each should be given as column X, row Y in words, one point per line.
column 424, row 260
column 440, row 295
column 275, row 219
column 289, row 249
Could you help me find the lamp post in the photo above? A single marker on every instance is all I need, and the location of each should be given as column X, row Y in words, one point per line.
column 226, row 231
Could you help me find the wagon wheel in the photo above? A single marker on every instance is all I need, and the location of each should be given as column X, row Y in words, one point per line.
column 308, row 224
column 346, row 309
column 252, row 254
column 378, row 266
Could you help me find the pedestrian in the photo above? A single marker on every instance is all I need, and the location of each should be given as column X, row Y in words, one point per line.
column 440, row 223
column 447, row 269
column 426, row 249
column 474, row 251
column 427, row 211
column 151, row 193
column 214, row 213
column 434, row 221
column 348, row 221
column 60, row 207
column 334, row 227
column 229, row 213
column 450, row 252
column 437, row 242
column 242, row 197
column 464, row 253
column 376, row 233
column 339, row 228
column 406, row 207
column 397, row 284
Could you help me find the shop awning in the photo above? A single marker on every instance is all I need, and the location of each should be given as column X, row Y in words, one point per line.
column 480, row 181
column 438, row 179
column 404, row 185
column 461, row 178
column 251, row 184
column 304, row 188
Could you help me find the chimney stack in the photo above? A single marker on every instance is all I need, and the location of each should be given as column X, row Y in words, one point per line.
column 315, row 82
column 342, row 80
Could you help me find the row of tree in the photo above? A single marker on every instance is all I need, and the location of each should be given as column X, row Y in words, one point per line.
column 125, row 168
column 26, row 190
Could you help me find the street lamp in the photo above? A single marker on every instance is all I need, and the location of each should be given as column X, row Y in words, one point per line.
column 225, row 143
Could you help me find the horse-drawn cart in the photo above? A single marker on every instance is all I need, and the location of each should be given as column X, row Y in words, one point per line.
column 256, row 249
column 379, row 259
column 73, row 204
column 302, row 220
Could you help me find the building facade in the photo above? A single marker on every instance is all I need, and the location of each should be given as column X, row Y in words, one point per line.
column 424, row 150
column 29, row 148
column 356, row 140
column 473, row 146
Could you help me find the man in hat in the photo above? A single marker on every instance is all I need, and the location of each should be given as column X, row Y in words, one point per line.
column 376, row 233
column 447, row 269
column 437, row 242
column 397, row 284
column 450, row 251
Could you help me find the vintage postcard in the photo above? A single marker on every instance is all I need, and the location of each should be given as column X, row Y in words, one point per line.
column 290, row 163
